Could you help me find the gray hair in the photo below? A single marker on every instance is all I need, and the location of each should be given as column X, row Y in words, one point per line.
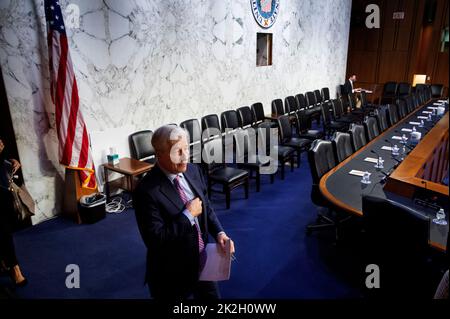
column 163, row 136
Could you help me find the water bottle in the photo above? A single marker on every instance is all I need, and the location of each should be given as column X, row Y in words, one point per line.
column 366, row 178
column 440, row 217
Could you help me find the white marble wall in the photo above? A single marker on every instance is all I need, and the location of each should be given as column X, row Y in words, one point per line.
column 143, row 63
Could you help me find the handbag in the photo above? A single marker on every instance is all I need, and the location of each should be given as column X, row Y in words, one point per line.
column 23, row 202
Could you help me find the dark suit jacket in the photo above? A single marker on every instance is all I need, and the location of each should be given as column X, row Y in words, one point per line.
column 347, row 87
column 171, row 240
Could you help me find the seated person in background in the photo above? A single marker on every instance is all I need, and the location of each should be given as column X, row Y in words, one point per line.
column 349, row 85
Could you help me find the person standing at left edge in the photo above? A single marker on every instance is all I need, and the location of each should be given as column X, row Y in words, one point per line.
column 174, row 217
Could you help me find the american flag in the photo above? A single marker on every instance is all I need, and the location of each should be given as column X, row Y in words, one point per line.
column 74, row 150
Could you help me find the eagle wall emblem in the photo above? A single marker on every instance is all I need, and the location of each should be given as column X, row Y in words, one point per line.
column 265, row 11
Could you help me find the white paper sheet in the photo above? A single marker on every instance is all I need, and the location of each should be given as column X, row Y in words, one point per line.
column 432, row 108
column 414, row 123
column 386, row 148
column 371, row 160
column 406, row 130
column 217, row 266
column 427, row 112
column 399, row 138
column 422, row 117
column 357, row 173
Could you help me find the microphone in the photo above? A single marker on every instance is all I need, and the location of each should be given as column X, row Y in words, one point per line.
column 373, row 151
column 408, row 146
column 387, row 141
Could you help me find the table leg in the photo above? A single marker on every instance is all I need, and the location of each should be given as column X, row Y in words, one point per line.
column 106, row 184
column 131, row 183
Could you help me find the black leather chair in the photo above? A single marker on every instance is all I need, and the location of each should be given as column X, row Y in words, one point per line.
column 389, row 93
column 245, row 117
column 403, row 89
column 365, row 105
column 210, row 126
column 303, row 126
column 402, row 108
column 409, row 103
column 358, row 136
column 325, row 94
column 338, row 113
column 258, row 114
column 287, row 139
column 437, row 90
column 380, row 115
column 310, row 99
column 248, row 156
column 397, row 242
column 192, row 126
column 219, row 173
column 329, row 124
column 141, row 147
column 229, row 120
column 416, row 99
column 321, row 159
column 301, row 101
column 371, row 127
column 353, row 103
column 313, row 106
column 285, row 153
column 392, row 114
column 277, row 107
column 318, row 96
column 342, row 146
column 424, row 92
column 290, row 104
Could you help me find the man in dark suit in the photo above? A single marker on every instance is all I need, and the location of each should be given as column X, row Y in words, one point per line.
column 349, row 85
column 175, row 216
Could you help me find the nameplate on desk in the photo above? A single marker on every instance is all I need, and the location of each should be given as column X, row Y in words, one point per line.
column 357, row 173
column 407, row 129
column 399, row 138
column 427, row 112
column 422, row 117
column 386, row 148
column 414, row 123
column 371, row 160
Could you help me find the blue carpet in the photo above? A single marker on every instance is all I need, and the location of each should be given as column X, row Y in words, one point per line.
column 275, row 258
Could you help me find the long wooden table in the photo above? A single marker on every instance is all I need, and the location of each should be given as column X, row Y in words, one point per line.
column 345, row 191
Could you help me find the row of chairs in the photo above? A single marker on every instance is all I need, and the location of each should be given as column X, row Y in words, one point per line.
column 394, row 90
column 326, row 154
column 210, row 134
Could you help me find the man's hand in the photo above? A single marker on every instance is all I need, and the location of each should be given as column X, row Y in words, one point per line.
column 194, row 207
column 16, row 165
column 2, row 146
column 222, row 239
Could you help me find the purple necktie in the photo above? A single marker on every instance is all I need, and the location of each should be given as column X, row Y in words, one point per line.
column 184, row 198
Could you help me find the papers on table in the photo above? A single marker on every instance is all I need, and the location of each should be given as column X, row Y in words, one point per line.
column 442, row 101
column 414, row 123
column 357, row 173
column 218, row 264
column 406, row 130
column 432, row 108
column 427, row 112
column 386, row 148
column 371, row 160
column 399, row 138
column 422, row 117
